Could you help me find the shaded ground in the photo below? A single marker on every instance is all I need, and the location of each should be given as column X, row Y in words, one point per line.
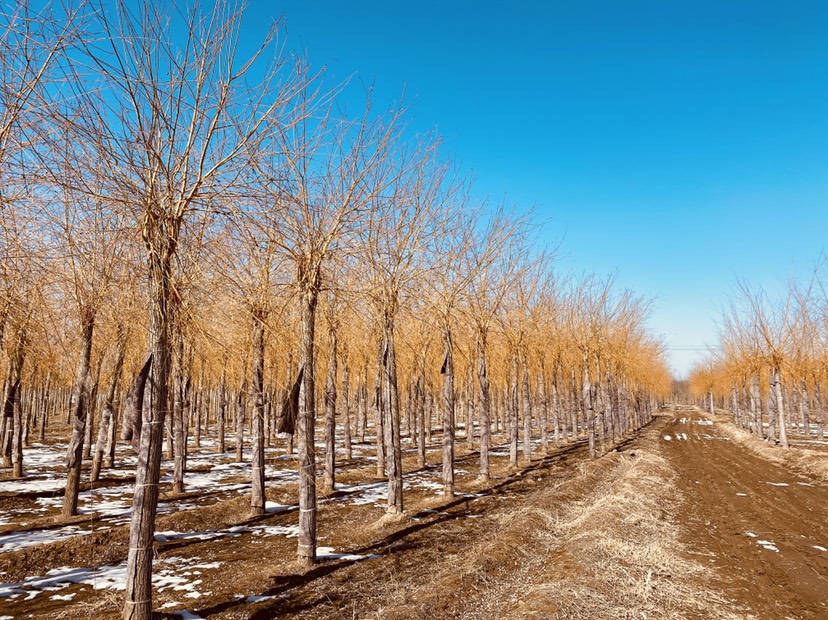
column 678, row 528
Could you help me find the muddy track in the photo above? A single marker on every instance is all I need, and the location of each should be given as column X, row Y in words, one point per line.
column 761, row 526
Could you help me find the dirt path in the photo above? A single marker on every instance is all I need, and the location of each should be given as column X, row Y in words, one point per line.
column 762, row 527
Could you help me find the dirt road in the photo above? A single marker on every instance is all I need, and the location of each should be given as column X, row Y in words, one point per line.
column 764, row 529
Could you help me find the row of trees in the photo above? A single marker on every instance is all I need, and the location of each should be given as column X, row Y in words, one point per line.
column 771, row 364
column 177, row 220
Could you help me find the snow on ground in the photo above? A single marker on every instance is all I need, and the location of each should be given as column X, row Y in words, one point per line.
column 45, row 467
column 173, row 573
column 20, row 540
column 328, row 553
column 767, row 544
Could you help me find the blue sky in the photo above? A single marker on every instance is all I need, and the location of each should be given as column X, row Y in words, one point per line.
column 681, row 145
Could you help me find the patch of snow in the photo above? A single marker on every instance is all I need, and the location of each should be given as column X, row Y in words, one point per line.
column 767, row 545
column 327, row 553
column 818, row 548
column 32, row 485
column 751, row 534
column 258, row 598
column 667, row 438
column 779, row 484
column 742, row 494
column 20, row 540
column 274, row 507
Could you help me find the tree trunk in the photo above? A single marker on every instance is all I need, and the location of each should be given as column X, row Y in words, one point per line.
column 257, row 470
column 79, row 409
column 329, row 482
column 544, row 411
column 513, row 413
column 134, row 406
column 107, row 423
column 179, row 438
column 391, row 407
column 755, row 407
column 776, row 388
column 241, row 405
column 589, row 411
column 421, row 415
column 138, row 593
column 379, row 416
column 221, row 414
column 346, row 409
column 448, row 413
column 526, row 406
column 362, row 407
column 485, row 406
column 306, row 547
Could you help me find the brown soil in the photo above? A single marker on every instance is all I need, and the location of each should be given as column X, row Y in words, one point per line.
column 654, row 529
column 729, row 491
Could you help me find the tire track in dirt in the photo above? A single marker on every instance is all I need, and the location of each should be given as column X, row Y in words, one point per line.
column 758, row 523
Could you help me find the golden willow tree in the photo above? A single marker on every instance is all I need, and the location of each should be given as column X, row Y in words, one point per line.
column 174, row 117
column 320, row 185
column 770, row 358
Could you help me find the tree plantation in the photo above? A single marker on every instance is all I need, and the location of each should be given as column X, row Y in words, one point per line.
column 770, row 367
column 266, row 352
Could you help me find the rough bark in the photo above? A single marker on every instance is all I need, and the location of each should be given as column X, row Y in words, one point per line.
column 257, row 470
column 106, row 425
column 448, row 413
column 513, row 413
column 544, row 411
column 138, row 593
column 134, row 405
column 346, row 410
column 179, row 438
column 241, row 406
column 776, row 388
column 379, row 416
column 526, row 409
column 485, row 406
column 391, row 407
column 306, row 545
column 329, row 481
column 221, row 414
column 80, row 406
column 589, row 411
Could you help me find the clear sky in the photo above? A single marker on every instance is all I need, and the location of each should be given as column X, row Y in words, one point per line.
column 681, row 145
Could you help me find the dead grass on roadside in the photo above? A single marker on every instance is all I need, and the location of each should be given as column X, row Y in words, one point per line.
column 601, row 545
column 629, row 563
column 812, row 463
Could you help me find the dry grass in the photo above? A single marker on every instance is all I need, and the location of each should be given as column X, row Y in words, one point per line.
column 811, row 463
column 598, row 545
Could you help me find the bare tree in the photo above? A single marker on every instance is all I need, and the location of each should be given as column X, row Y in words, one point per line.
column 175, row 120
column 325, row 179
